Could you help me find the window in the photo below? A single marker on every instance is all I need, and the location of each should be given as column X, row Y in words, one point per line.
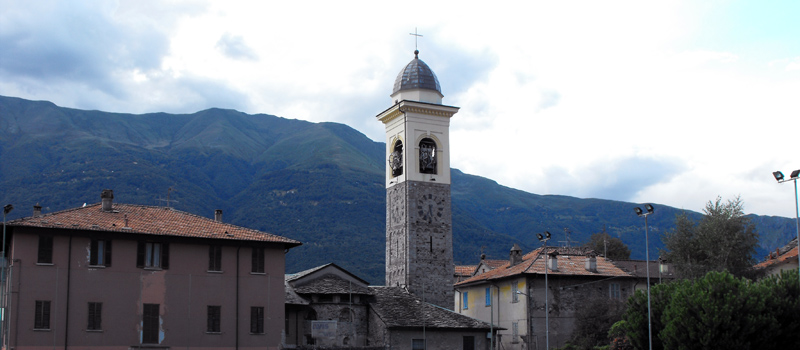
column 613, row 290
column 258, row 260
column 257, row 319
column 95, row 317
column 396, row 159
column 465, row 301
column 45, row 250
column 515, row 332
column 427, row 156
column 150, row 323
column 514, row 290
column 417, row 344
column 100, row 252
column 488, row 296
column 152, row 255
column 213, row 323
column 214, row 258
column 42, row 317
column 469, row 342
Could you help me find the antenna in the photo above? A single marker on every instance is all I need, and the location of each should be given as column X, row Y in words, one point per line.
column 169, row 192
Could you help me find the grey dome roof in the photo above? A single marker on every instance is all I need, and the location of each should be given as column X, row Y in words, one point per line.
column 416, row 75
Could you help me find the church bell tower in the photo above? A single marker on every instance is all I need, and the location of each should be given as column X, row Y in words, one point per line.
column 419, row 229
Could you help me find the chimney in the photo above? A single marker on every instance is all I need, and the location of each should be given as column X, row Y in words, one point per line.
column 37, row 210
column 591, row 262
column 107, row 197
column 218, row 215
column 552, row 261
column 515, row 256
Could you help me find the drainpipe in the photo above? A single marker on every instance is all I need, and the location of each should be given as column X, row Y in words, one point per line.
column 69, row 265
column 237, row 296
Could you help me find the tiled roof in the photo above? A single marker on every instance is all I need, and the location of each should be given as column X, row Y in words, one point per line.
column 331, row 284
column 147, row 220
column 400, row 309
column 465, row 270
column 294, row 276
column 638, row 268
column 495, row 263
column 787, row 253
column 570, row 263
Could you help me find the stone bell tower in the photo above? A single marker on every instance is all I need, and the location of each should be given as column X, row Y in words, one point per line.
column 419, row 229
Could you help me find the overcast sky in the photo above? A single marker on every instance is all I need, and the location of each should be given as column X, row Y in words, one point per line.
column 669, row 102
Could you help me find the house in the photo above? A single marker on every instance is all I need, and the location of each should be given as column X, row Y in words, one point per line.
column 327, row 306
column 783, row 258
column 513, row 295
column 124, row 276
column 660, row 271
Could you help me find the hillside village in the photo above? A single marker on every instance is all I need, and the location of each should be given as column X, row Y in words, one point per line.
column 117, row 275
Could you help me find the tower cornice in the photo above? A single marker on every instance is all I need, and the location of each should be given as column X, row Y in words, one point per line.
column 422, row 108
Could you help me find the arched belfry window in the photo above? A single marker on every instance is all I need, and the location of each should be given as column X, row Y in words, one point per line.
column 427, row 156
column 396, row 159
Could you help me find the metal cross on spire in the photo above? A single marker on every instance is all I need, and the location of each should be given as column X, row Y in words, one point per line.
column 416, row 36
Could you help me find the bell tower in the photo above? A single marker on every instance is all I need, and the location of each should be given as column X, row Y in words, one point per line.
column 419, row 229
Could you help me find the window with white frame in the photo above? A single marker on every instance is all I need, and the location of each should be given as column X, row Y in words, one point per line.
column 514, row 290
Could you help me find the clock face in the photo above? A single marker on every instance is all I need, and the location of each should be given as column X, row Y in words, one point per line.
column 430, row 208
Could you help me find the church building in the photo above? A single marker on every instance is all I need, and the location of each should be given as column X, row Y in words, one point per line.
column 419, row 229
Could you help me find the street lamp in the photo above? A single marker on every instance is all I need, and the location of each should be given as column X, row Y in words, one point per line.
column 544, row 238
column 640, row 212
column 793, row 177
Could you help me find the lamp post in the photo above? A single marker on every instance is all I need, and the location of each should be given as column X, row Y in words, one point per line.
column 640, row 212
column 793, row 177
column 6, row 209
column 544, row 238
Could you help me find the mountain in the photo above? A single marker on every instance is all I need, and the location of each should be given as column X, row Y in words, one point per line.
column 320, row 183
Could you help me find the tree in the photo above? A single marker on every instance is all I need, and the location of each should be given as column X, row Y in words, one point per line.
column 634, row 321
column 603, row 242
column 723, row 240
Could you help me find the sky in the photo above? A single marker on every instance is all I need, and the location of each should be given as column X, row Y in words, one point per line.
column 667, row 102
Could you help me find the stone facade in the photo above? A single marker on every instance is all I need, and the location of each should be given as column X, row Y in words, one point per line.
column 419, row 237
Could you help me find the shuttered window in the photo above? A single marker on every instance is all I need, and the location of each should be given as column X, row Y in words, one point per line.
column 150, row 324
column 213, row 321
column 95, row 316
column 258, row 260
column 152, row 255
column 214, row 258
column 100, row 253
column 42, row 317
column 257, row 319
column 45, row 254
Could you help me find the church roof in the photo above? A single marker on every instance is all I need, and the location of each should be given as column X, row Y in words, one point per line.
column 416, row 75
column 331, row 284
column 398, row 308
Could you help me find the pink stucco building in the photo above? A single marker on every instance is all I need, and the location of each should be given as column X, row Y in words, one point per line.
column 121, row 276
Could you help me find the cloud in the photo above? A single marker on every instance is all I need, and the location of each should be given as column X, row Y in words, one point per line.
column 234, row 47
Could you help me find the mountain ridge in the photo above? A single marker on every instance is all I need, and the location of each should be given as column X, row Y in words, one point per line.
column 320, row 183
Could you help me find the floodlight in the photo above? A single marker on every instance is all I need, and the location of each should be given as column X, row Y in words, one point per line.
column 8, row 208
column 649, row 208
column 795, row 174
column 539, row 236
column 638, row 211
column 547, row 234
column 778, row 175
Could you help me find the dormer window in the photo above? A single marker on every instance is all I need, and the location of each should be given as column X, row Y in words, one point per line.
column 427, row 156
column 396, row 159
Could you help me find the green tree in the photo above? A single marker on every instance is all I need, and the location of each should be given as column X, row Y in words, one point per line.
column 635, row 318
column 719, row 311
column 603, row 242
column 723, row 240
